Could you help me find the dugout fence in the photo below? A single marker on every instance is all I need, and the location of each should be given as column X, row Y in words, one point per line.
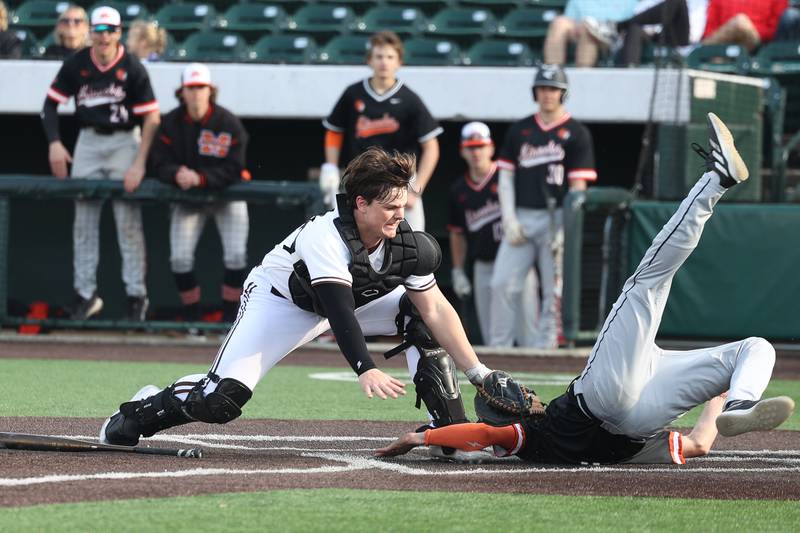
column 36, row 245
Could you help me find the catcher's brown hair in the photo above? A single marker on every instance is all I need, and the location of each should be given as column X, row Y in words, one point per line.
column 378, row 175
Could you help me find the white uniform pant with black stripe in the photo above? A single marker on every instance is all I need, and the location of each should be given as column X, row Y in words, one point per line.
column 544, row 248
column 635, row 387
column 526, row 319
column 186, row 226
column 106, row 157
column 269, row 327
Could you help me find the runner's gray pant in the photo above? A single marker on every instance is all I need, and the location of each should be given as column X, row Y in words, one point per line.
column 511, row 266
column 635, row 387
column 106, row 157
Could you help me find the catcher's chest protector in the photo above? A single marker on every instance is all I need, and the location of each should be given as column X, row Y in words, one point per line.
column 399, row 262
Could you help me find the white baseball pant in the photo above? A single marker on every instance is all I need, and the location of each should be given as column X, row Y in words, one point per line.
column 511, row 266
column 186, row 226
column 635, row 387
column 269, row 327
column 106, row 157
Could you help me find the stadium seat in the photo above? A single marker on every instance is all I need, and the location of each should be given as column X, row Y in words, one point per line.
column 213, row 46
column 253, row 20
column 38, row 15
column 495, row 6
column 181, row 19
column 345, row 50
column 404, row 20
column 729, row 58
column 427, row 6
column 285, row 49
column 527, row 22
column 462, row 23
column 322, row 19
column 777, row 58
column 499, row 53
column 128, row 11
column 358, row 6
column 30, row 46
column 425, row 51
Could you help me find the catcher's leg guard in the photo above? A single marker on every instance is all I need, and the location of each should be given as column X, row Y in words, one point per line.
column 436, row 379
column 220, row 406
column 145, row 418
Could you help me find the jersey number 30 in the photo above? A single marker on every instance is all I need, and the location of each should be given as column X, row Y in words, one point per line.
column 555, row 175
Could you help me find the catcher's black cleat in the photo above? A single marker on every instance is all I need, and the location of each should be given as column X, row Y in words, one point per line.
column 122, row 430
column 723, row 159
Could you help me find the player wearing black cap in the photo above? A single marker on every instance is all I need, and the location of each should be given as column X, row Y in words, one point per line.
column 543, row 157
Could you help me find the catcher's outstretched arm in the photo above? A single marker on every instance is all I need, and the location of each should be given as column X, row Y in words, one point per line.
column 469, row 437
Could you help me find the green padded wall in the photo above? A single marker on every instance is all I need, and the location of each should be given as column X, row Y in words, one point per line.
column 742, row 280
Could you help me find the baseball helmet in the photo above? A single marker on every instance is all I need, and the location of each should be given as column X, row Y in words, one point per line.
column 551, row 76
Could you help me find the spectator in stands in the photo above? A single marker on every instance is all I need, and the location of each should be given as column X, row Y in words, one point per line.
column 476, row 229
column 382, row 111
column 146, row 40
column 670, row 23
column 748, row 23
column 10, row 46
column 200, row 144
column 71, row 33
column 113, row 96
column 571, row 28
column 788, row 25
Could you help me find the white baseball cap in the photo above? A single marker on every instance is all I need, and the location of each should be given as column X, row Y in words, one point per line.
column 105, row 17
column 475, row 134
column 195, row 74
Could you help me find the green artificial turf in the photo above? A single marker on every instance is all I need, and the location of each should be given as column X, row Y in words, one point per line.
column 377, row 511
column 67, row 388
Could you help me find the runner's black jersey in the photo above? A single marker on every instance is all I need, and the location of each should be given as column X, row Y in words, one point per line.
column 394, row 120
column 106, row 97
column 545, row 158
column 475, row 211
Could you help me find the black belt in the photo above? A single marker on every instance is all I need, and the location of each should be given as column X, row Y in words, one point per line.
column 581, row 401
column 274, row 291
column 100, row 130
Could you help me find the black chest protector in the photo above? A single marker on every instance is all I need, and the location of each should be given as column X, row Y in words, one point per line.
column 409, row 253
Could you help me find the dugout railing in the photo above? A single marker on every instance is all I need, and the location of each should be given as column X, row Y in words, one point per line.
column 274, row 196
column 582, row 314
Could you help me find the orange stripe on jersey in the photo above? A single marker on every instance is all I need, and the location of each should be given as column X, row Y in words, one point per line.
column 333, row 139
column 146, row 107
column 676, row 448
column 474, row 436
column 588, row 174
column 55, row 94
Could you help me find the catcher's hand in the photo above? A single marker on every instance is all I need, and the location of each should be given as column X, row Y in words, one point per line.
column 500, row 400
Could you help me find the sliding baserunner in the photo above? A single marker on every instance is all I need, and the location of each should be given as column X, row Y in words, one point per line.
column 631, row 389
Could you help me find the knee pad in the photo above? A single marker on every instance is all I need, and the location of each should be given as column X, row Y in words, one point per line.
column 218, row 407
column 437, row 385
column 155, row 413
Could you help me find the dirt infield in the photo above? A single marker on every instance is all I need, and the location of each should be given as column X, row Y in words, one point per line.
column 253, row 455
column 248, row 455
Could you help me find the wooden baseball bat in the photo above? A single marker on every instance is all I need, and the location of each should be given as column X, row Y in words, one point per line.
column 49, row 443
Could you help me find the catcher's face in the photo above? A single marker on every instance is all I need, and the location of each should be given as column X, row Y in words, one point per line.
column 379, row 219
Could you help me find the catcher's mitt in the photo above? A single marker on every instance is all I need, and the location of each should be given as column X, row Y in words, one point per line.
column 501, row 400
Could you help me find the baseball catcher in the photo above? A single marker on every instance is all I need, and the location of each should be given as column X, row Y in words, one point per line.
column 631, row 389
